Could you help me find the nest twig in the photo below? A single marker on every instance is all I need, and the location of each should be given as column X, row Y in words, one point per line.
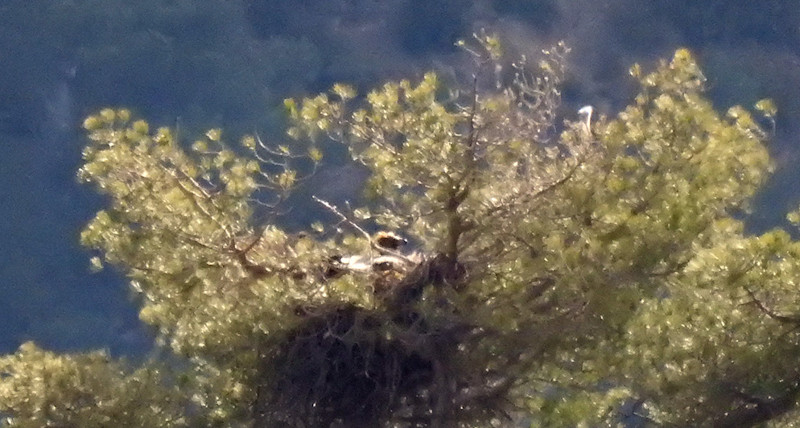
column 339, row 367
column 348, row 366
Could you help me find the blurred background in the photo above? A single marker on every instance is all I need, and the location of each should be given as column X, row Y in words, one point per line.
column 199, row 64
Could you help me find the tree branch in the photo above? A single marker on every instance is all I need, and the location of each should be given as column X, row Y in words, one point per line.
column 755, row 410
column 769, row 312
column 373, row 245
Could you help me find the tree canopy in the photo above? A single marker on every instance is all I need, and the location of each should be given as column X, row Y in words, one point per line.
column 591, row 272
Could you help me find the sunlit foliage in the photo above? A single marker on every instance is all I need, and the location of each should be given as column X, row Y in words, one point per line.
column 569, row 274
column 39, row 389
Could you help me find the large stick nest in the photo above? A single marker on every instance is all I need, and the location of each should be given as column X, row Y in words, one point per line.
column 347, row 366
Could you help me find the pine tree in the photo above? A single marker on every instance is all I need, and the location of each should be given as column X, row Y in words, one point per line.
column 590, row 272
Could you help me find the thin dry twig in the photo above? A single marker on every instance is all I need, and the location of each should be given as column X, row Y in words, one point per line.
column 373, row 245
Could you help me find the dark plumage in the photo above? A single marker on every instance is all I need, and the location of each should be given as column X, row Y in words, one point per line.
column 389, row 240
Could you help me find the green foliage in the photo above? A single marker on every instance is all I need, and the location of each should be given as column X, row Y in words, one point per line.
column 562, row 276
column 39, row 388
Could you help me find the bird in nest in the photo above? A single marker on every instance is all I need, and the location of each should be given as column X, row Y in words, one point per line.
column 388, row 262
column 389, row 240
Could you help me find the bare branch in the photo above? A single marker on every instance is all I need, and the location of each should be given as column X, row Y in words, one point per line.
column 332, row 208
column 770, row 313
column 373, row 245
